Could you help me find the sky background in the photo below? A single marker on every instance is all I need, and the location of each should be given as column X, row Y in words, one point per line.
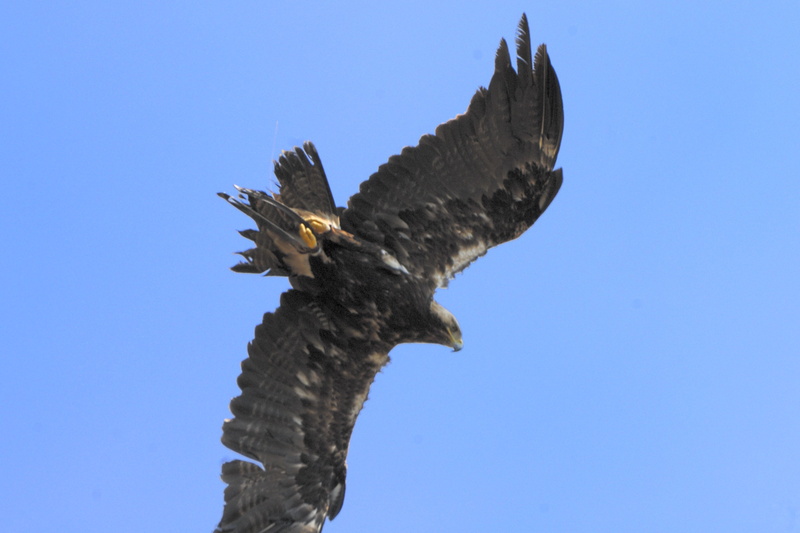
column 632, row 363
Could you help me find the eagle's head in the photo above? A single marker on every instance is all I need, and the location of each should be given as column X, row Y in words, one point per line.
column 446, row 330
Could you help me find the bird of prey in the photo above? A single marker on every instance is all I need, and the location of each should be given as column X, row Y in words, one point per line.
column 363, row 280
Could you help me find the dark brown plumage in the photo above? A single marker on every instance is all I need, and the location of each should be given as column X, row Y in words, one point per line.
column 363, row 281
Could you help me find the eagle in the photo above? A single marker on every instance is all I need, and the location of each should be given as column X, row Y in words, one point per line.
column 363, row 280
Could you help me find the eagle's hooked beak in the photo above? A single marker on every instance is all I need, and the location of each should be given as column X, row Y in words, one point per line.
column 455, row 339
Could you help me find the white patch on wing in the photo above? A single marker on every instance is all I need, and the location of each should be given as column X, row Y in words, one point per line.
column 466, row 255
column 303, row 393
column 303, row 379
column 392, row 262
column 308, row 377
column 378, row 359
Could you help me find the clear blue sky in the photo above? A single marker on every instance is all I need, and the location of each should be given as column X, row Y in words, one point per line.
column 631, row 364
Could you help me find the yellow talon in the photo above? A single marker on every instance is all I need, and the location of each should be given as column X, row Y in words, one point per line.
column 308, row 236
column 318, row 226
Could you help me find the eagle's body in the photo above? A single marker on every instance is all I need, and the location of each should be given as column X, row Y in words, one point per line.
column 363, row 282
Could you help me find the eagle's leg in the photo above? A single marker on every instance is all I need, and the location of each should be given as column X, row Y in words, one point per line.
column 304, row 240
column 308, row 236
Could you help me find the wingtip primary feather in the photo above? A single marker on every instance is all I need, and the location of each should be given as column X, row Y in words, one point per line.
column 502, row 58
column 551, row 108
column 524, row 60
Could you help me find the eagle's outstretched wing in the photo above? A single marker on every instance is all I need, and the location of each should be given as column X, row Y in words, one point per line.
column 303, row 385
column 482, row 179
